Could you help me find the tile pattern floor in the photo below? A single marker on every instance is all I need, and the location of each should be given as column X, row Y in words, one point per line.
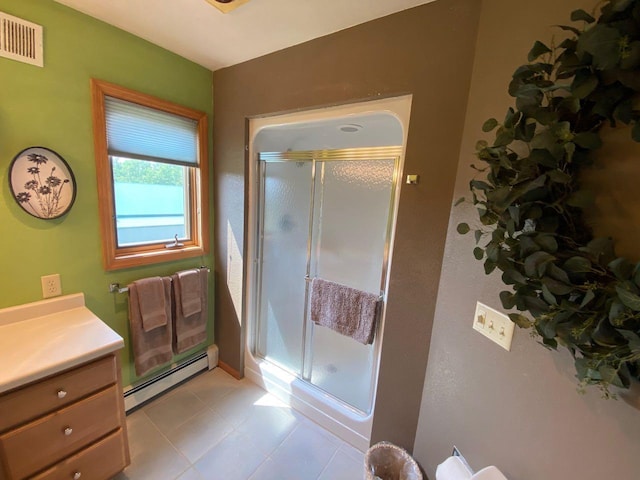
column 215, row 427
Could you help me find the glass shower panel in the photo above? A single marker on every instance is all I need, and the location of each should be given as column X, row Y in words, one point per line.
column 286, row 196
column 350, row 228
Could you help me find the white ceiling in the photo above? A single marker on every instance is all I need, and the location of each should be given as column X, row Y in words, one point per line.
column 196, row 30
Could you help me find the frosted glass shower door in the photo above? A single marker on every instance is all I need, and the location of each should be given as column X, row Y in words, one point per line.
column 284, row 230
column 351, row 222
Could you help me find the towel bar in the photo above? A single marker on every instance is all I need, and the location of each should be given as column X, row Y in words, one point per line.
column 116, row 288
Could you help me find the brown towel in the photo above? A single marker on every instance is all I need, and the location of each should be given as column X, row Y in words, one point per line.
column 191, row 330
column 190, row 296
column 343, row 309
column 151, row 300
column 152, row 348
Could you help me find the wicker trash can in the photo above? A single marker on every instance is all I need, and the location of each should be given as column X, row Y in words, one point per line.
column 386, row 461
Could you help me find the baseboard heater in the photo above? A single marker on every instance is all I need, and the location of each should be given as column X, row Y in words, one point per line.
column 135, row 396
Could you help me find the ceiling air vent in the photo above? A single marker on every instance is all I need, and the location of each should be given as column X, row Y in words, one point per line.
column 20, row 40
column 225, row 6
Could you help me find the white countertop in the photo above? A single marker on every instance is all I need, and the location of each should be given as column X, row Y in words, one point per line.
column 43, row 338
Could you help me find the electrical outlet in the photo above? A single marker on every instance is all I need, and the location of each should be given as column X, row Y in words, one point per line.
column 494, row 325
column 51, row 286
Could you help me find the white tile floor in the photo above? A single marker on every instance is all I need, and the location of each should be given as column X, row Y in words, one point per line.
column 216, row 427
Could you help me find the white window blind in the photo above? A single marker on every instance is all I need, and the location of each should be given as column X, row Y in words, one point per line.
column 134, row 131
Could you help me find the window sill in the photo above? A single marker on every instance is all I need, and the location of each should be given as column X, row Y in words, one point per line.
column 118, row 262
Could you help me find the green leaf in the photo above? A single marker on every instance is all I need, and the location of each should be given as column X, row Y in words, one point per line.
column 620, row 5
column 583, row 85
column 489, row 125
column 478, row 253
column 504, row 137
column 547, row 242
column 481, row 145
column 562, row 131
column 582, row 367
column 601, row 249
column 581, row 15
column 605, row 335
column 478, row 235
column 512, row 276
column 556, row 287
column 538, row 49
column 459, row 201
column 480, row 185
column 587, row 298
column 577, row 265
column 510, row 118
column 508, row 299
column 545, row 116
column 488, row 218
column 621, row 268
column 544, row 140
column 527, row 246
column 615, row 311
column 543, row 157
column 603, row 44
column 548, row 296
column 630, row 57
column 632, row 338
column 570, row 148
column 489, row 266
column 588, row 140
column 557, row 273
column 569, row 29
column 558, row 176
column 547, row 327
column 550, row 343
column 463, row 228
column 629, row 299
column 535, row 264
column 520, row 320
column 610, row 376
column 572, row 104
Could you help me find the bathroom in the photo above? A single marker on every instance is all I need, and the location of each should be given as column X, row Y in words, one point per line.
column 439, row 383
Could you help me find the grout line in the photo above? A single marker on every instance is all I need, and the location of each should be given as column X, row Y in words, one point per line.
column 328, row 462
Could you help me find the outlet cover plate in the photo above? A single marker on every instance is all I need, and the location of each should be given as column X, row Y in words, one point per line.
column 51, row 286
column 494, row 325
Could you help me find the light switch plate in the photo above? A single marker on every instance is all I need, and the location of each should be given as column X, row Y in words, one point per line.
column 494, row 325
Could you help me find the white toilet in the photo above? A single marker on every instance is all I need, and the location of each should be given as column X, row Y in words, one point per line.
column 453, row 468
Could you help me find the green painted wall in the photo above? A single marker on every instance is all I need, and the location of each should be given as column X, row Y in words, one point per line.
column 51, row 107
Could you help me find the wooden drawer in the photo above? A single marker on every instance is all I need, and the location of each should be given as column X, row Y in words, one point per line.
column 30, row 402
column 100, row 461
column 49, row 439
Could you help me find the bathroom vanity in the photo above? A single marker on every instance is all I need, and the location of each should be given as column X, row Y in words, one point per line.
column 61, row 405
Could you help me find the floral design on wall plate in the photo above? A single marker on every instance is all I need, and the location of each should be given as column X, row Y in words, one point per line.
column 42, row 183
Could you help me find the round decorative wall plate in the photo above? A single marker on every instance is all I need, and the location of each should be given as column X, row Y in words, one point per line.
column 42, row 183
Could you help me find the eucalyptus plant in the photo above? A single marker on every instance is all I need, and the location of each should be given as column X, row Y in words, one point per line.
column 579, row 294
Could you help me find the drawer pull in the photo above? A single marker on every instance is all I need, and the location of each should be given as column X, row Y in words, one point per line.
column 62, row 394
column 77, row 475
column 68, row 431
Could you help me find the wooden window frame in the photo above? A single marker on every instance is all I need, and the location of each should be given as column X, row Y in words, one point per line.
column 115, row 257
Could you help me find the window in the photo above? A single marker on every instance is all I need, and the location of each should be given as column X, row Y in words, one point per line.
column 151, row 162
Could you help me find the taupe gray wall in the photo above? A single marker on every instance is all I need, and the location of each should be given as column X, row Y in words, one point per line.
column 519, row 409
column 426, row 51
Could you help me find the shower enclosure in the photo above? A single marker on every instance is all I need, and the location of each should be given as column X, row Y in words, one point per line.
column 322, row 214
